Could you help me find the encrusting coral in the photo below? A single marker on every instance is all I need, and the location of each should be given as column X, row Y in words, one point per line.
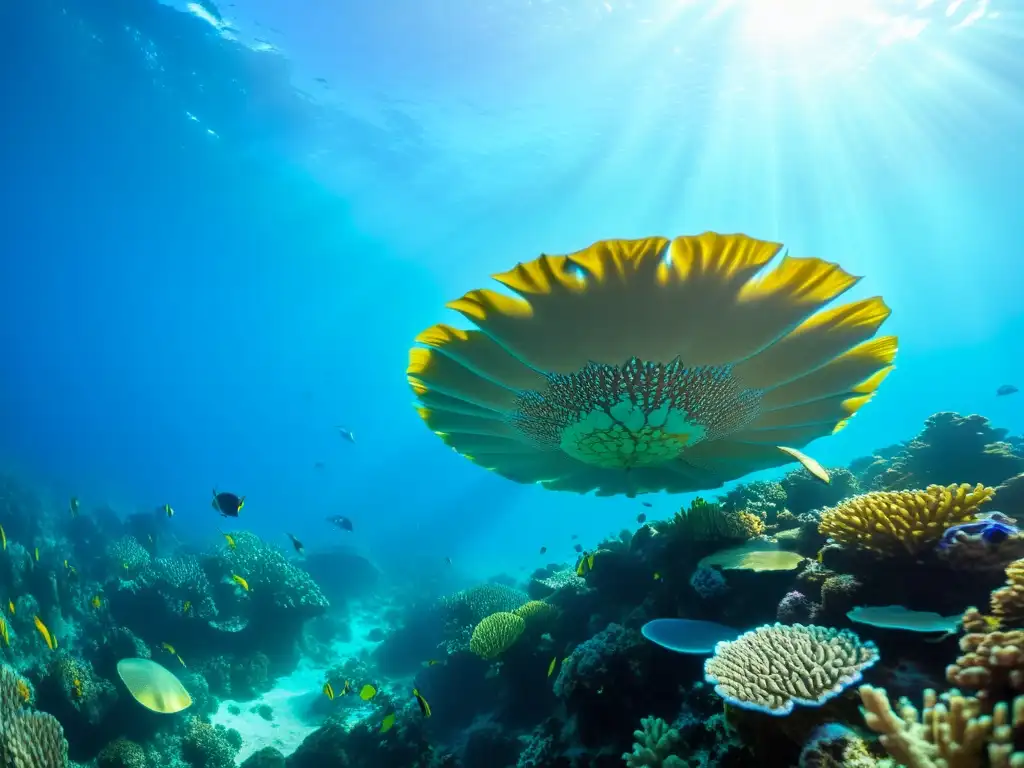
column 894, row 522
column 772, row 668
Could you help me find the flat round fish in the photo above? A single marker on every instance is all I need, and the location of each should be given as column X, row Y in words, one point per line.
column 688, row 635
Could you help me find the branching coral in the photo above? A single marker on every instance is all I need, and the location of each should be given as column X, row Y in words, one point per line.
column 890, row 522
column 128, row 555
column 1008, row 601
column 564, row 579
column 122, row 753
column 772, row 668
column 949, row 733
column 495, row 634
column 991, row 660
column 656, row 743
column 27, row 739
column 82, row 687
column 179, row 581
column 272, row 579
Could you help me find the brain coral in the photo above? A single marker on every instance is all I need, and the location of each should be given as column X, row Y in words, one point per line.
column 891, row 522
column 772, row 668
column 496, row 634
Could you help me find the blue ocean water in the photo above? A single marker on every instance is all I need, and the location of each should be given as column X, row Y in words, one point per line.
column 223, row 227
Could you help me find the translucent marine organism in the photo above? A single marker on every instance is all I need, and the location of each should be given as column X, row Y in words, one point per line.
column 637, row 366
column 155, row 687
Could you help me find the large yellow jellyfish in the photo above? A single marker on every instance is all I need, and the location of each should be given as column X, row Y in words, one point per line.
column 647, row 365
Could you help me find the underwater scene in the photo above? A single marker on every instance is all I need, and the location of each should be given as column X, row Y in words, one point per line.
column 512, row 384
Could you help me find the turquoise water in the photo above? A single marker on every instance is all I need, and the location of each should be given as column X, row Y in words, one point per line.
column 211, row 258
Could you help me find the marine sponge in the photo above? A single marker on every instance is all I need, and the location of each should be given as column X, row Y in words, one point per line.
column 496, row 634
column 949, row 732
column 656, row 741
column 890, row 522
column 27, row 739
column 772, row 668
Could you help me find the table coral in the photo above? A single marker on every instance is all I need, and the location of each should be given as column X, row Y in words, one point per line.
column 772, row 668
column 894, row 522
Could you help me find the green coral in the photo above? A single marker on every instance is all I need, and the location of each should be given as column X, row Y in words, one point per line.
column 465, row 609
column 122, row 753
column 496, row 634
column 208, row 746
column 270, row 575
column 655, row 746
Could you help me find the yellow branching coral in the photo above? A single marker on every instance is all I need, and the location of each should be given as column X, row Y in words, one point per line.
column 602, row 372
column 496, row 634
column 951, row 732
column 535, row 611
column 890, row 522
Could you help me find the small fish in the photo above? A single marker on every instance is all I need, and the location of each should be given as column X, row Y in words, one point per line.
column 657, row 576
column 424, row 706
column 543, row 550
column 367, row 692
column 230, row 539
column 74, row 506
column 590, row 561
column 447, row 561
column 298, row 545
column 3, row 537
column 10, row 606
column 432, row 663
column 126, row 567
column 346, row 688
column 329, row 690
column 51, row 641
column 641, row 518
column 240, row 581
column 23, row 690
column 96, row 602
column 169, row 648
column 37, row 554
column 1006, row 389
column 387, row 723
column 186, row 607
column 552, row 665
column 581, row 566
column 228, row 504
column 342, row 522
column 346, row 434
column 578, row 548
column 319, row 466
column 168, row 510
column 4, row 633
column 809, row 464
column 72, row 571
column 76, row 684
column 647, row 504
column 574, row 536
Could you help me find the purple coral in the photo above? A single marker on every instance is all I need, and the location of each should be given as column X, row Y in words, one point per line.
column 708, row 582
column 794, row 608
column 597, row 661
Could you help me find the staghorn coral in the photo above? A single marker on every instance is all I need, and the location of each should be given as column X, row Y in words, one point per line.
column 951, row 732
column 991, row 660
column 177, row 581
column 273, row 580
column 656, row 742
column 893, row 522
column 495, row 634
column 127, row 554
column 772, row 668
column 27, row 739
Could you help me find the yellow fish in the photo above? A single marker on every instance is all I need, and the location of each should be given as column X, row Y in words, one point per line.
column 240, row 582
column 168, row 510
column 329, row 690
column 3, row 537
column 37, row 554
column 10, row 606
column 230, row 538
column 74, row 506
column 96, row 601
column 51, row 641
column 77, row 685
column 186, row 607
column 4, row 633
column 23, row 690
column 367, row 692
column 657, row 576
column 424, row 706
column 432, row 662
column 590, row 561
column 552, row 665
column 387, row 723
column 169, row 648
column 809, row 464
